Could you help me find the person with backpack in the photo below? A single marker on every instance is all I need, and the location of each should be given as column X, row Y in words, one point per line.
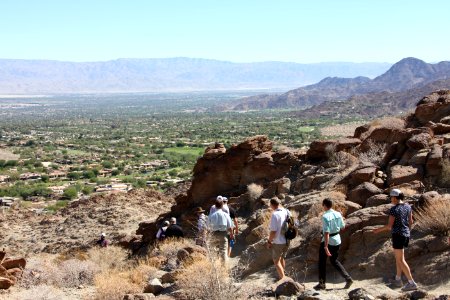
column 399, row 223
column 103, row 242
column 277, row 241
column 161, row 234
column 332, row 224
column 174, row 230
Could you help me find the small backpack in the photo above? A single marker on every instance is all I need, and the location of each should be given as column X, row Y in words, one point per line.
column 289, row 227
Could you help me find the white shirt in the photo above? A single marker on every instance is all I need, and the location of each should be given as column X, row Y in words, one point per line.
column 160, row 231
column 220, row 221
column 213, row 209
column 276, row 224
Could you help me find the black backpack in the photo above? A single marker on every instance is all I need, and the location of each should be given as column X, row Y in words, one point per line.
column 291, row 230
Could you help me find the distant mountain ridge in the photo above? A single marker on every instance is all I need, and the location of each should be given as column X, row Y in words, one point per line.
column 169, row 74
column 409, row 73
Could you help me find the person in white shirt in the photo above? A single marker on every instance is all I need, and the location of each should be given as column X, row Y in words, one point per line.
column 225, row 207
column 213, row 208
column 161, row 234
column 220, row 225
column 277, row 241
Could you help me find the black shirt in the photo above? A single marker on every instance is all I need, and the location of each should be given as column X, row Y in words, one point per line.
column 174, row 230
column 232, row 213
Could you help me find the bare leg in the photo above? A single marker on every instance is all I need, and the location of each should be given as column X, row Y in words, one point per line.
column 279, row 267
column 398, row 266
column 400, row 257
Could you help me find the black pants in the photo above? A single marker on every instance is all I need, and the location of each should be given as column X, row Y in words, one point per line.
column 334, row 250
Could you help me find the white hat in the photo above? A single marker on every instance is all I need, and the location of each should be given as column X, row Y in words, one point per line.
column 103, row 234
column 395, row 193
column 219, row 198
column 173, row 220
column 224, row 199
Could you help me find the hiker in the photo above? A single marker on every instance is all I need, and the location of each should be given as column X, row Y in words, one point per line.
column 225, row 207
column 174, row 230
column 399, row 223
column 214, row 208
column 277, row 241
column 202, row 227
column 220, row 225
column 332, row 224
column 231, row 241
column 161, row 234
column 103, row 242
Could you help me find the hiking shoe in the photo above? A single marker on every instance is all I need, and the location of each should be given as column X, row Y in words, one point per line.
column 409, row 287
column 320, row 286
column 396, row 283
column 348, row 283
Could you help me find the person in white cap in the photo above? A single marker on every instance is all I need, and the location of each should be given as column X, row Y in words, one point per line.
column 161, row 234
column 400, row 222
column 103, row 242
column 225, row 207
column 213, row 208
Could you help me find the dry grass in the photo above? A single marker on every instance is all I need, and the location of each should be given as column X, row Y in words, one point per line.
column 206, row 278
column 374, row 155
column 254, row 191
column 170, row 247
column 389, row 122
column 434, row 217
column 112, row 257
column 341, row 130
column 337, row 159
column 114, row 285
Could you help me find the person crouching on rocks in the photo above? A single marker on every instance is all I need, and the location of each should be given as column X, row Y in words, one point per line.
column 399, row 223
column 332, row 224
column 277, row 241
column 103, row 242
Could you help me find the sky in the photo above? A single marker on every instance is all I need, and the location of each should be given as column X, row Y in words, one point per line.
column 304, row 31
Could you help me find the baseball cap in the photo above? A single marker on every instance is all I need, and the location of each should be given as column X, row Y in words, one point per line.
column 395, row 193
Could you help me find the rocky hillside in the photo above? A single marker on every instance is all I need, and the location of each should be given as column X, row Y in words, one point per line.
column 78, row 226
column 407, row 74
column 357, row 172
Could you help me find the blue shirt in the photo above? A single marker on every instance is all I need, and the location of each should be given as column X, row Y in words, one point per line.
column 332, row 222
column 401, row 214
column 220, row 221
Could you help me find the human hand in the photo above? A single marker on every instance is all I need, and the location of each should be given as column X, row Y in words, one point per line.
column 327, row 252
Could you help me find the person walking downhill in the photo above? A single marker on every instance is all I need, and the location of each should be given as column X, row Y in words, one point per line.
column 231, row 242
column 277, row 241
column 332, row 224
column 202, row 227
column 220, row 225
column 399, row 223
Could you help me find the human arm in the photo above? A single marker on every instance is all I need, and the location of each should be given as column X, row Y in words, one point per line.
column 326, row 240
column 272, row 235
column 236, row 226
column 410, row 219
column 158, row 234
column 386, row 227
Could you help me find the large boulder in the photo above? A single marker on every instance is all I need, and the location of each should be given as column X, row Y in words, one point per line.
column 377, row 200
column 433, row 107
column 214, row 152
column 5, row 283
column 318, row 149
column 365, row 174
column 434, row 161
column 403, row 174
column 287, row 287
column 154, row 286
column 249, row 162
column 362, row 192
column 11, row 263
column 419, row 141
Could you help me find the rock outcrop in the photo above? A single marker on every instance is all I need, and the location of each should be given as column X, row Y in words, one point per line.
column 10, row 270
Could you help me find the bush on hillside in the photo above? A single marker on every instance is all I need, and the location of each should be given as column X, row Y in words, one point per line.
column 434, row 217
column 254, row 191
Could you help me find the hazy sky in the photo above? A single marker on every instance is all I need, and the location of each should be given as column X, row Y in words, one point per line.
column 235, row 30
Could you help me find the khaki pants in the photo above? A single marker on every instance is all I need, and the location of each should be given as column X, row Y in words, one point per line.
column 219, row 244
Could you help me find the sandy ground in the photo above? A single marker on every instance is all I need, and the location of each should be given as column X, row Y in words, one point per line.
column 7, row 155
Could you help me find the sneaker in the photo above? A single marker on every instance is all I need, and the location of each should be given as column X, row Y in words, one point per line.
column 320, row 286
column 348, row 283
column 396, row 283
column 409, row 287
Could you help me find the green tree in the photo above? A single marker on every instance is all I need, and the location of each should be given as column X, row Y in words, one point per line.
column 70, row 192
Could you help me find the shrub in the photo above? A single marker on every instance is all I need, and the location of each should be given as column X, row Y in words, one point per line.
column 207, row 278
column 112, row 257
column 254, row 191
column 389, row 122
column 434, row 217
column 70, row 192
column 114, row 285
column 374, row 155
column 337, row 159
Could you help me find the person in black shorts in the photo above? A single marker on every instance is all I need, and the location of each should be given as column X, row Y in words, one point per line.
column 231, row 242
column 400, row 222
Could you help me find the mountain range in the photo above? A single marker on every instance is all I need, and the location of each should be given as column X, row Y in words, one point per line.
column 169, row 74
column 409, row 76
